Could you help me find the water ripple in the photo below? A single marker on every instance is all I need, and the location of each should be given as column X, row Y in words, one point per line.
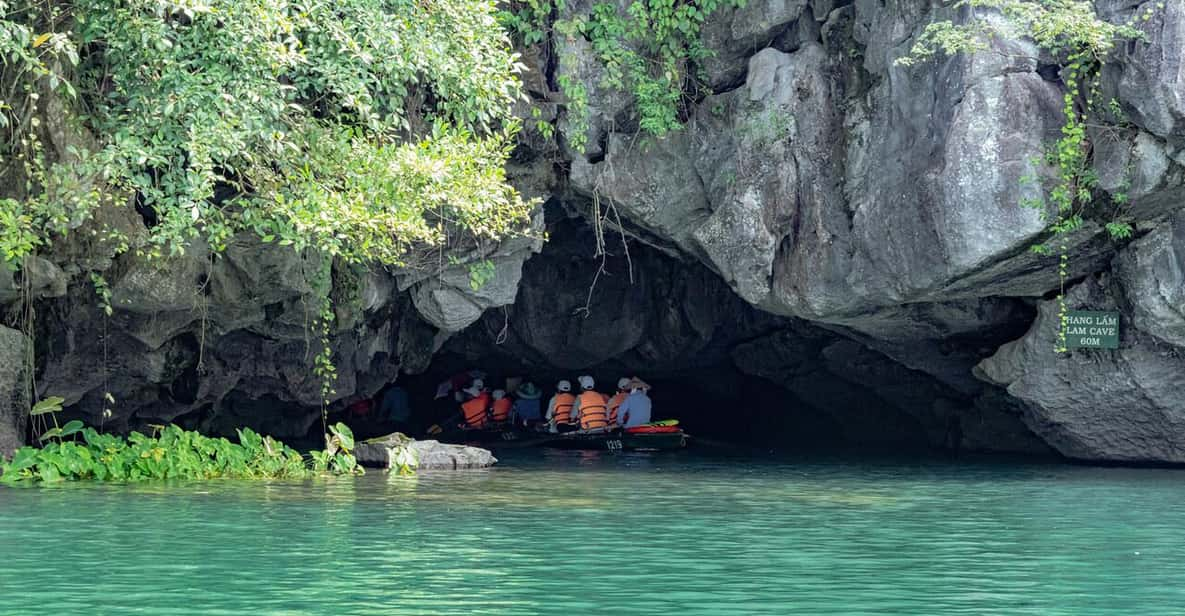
column 628, row 534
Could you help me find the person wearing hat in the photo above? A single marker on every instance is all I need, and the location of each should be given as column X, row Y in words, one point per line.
column 591, row 406
column 526, row 404
column 559, row 408
column 475, row 410
column 617, row 399
column 635, row 410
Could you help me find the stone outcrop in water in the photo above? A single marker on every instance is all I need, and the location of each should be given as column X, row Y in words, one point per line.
column 427, row 455
column 845, row 229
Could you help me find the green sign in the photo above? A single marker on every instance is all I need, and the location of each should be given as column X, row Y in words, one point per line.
column 1087, row 329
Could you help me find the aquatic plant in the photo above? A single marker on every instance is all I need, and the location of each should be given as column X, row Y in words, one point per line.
column 171, row 453
column 338, row 456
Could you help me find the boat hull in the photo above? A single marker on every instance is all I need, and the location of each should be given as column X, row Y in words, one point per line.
column 620, row 442
column 613, row 441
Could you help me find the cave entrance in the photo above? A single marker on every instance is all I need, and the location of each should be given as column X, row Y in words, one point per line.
column 727, row 371
column 716, row 406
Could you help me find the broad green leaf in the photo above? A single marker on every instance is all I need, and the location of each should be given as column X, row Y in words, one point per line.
column 73, row 426
column 345, row 435
column 51, row 404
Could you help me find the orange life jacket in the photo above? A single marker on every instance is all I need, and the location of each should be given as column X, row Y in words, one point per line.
column 502, row 409
column 563, row 407
column 475, row 410
column 614, row 404
column 594, row 414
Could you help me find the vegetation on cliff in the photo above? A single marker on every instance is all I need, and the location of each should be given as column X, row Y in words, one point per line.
column 360, row 128
column 648, row 49
column 364, row 131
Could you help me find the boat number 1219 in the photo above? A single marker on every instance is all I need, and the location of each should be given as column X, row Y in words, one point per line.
column 613, row 445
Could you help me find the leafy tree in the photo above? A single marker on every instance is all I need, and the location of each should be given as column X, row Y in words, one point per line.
column 360, row 128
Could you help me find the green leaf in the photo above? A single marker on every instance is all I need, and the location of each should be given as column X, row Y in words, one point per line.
column 72, row 427
column 344, row 435
column 24, row 457
column 51, row 404
column 50, row 433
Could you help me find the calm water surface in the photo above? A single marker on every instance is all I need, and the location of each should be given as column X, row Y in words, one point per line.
column 571, row 533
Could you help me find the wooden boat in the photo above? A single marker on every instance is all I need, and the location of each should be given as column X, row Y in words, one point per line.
column 619, row 441
column 608, row 441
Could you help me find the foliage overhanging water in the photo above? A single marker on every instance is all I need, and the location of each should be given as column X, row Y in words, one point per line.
column 571, row 533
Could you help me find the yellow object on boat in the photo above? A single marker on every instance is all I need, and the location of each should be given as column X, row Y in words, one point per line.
column 665, row 422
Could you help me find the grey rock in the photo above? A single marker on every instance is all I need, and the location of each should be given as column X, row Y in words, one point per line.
column 44, row 278
column 1122, row 405
column 1153, row 273
column 220, row 343
column 754, row 186
column 1147, row 76
column 579, row 66
column 455, row 297
column 14, row 390
column 1142, row 169
column 428, row 455
column 735, row 34
column 649, row 313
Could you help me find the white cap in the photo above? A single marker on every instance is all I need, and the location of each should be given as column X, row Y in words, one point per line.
column 473, row 391
column 563, row 386
column 586, row 382
column 499, row 394
column 623, row 382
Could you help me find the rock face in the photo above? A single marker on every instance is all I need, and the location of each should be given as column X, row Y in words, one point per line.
column 679, row 323
column 827, row 183
column 427, row 455
column 1126, row 404
column 814, row 200
column 218, row 342
column 14, row 396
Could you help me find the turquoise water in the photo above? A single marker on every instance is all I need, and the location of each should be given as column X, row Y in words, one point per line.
column 572, row 533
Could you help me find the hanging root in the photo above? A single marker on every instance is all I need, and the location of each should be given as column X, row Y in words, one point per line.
column 599, row 217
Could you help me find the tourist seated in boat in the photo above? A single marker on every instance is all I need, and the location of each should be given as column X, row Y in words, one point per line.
column 635, row 410
column 475, row 409
column 395, row 408
column 526, row 410
column 559, row 408
column 617, row 399
column 500, row 408
column 591, row 406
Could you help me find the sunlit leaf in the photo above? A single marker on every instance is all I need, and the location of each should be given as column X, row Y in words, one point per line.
column 51, row 404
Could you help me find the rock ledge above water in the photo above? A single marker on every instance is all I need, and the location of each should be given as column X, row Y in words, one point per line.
column 429, row 455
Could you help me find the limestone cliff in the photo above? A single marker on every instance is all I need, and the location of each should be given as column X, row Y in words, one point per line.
column 845, row 228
